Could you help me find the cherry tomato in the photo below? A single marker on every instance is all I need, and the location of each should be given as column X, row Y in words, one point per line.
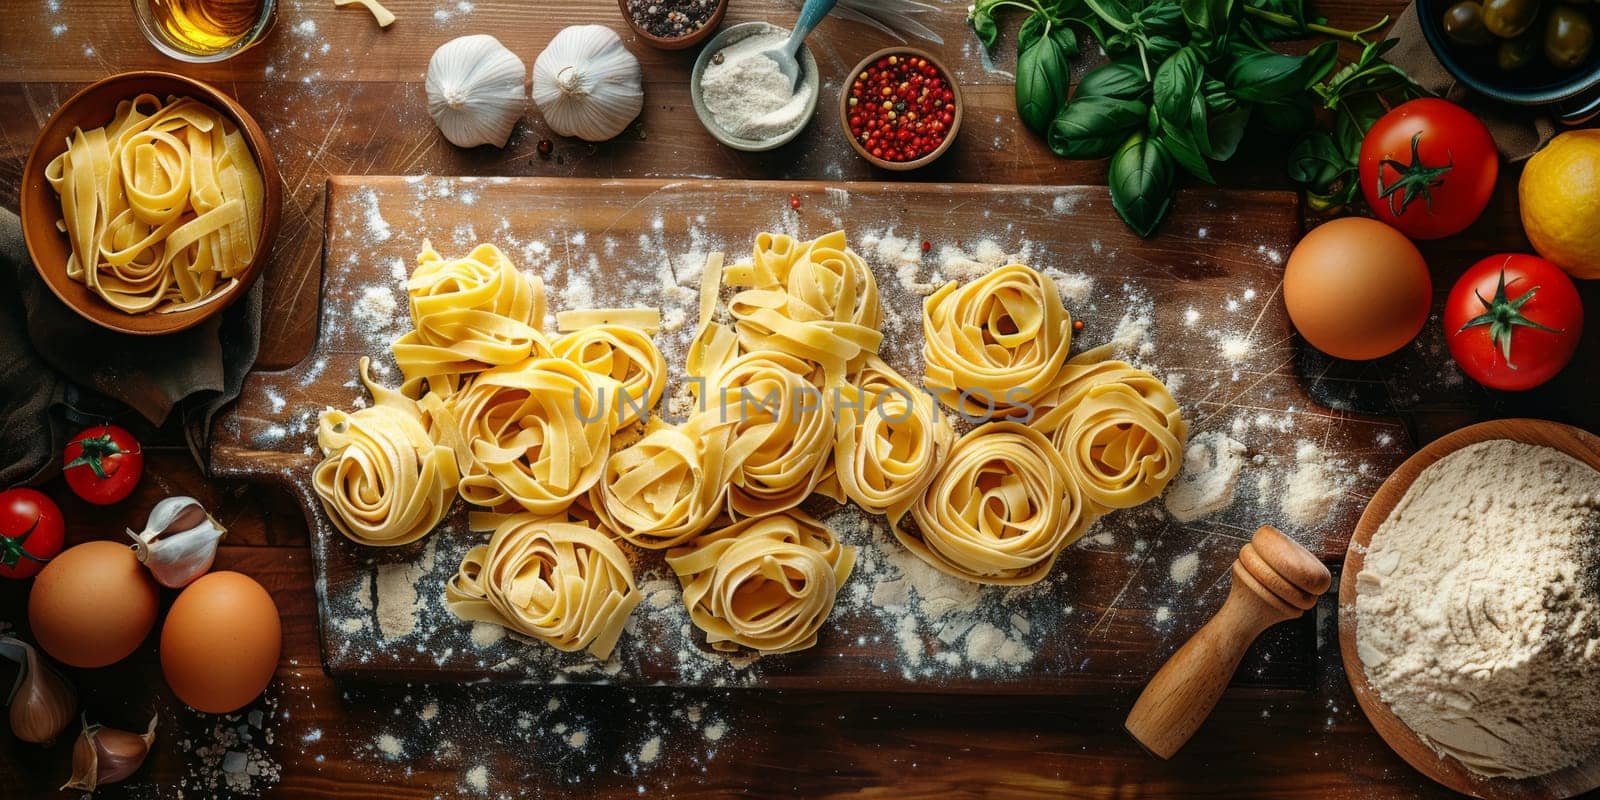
column 103, row 464
column 1428, row 168
column 30, row 532
column 1513, row 321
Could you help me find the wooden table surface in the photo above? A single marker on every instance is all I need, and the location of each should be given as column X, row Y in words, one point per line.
column 339, row 96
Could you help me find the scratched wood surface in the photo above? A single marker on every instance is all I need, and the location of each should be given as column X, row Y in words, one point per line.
column 1212, row 281
column 355, row 109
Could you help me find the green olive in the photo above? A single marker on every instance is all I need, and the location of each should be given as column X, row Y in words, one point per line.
column 1568, row 37
column 1508, row 19
column 1463, row 23
column 1515, row 54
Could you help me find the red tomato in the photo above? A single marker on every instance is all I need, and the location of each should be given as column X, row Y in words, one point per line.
column 30, row 532
column 103, row 464
column 1513, row 321
column 1428, row 168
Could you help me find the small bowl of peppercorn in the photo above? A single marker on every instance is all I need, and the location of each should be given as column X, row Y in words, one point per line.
column 673, row 24
column 902, row 108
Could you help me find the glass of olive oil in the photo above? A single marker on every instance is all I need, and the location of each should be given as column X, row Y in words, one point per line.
column 201, row 31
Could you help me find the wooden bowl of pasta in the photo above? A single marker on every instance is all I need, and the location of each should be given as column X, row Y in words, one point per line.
column 150, row 202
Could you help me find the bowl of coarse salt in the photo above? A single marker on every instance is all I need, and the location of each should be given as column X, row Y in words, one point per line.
column 740, row 95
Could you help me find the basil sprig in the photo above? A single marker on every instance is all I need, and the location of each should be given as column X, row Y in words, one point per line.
column 1185, row 80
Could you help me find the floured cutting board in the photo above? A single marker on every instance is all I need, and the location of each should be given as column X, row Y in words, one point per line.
column 1199, row 305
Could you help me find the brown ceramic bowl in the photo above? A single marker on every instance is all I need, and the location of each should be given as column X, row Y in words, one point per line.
column 93, row 107
column 681, row 42
column 950, row 136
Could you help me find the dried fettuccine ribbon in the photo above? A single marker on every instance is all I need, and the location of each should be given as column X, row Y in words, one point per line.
column 534, row 433
column 891, row 441
column 1118, row 430
column 469, row 314
column 996, row 344
column 767, row 584
column 564, row 584
column 666, row 488
column 1000, row 509
column 384, row 479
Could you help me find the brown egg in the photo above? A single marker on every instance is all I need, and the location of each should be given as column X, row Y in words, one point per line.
column 93, row 604
column 221, row 641
column 1357, row 289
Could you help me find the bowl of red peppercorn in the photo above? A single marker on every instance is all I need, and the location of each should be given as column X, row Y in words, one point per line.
column 901, row 109
column 673, row 24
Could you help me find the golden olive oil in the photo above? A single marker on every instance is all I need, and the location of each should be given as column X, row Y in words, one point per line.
column 206, row 27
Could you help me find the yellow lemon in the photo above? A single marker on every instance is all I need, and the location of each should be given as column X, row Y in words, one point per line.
column 1560, row 196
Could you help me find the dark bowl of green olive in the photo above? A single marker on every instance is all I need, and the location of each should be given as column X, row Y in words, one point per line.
column 1526, row 52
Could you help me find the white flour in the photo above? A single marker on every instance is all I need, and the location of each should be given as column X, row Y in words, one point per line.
column 748, row 96
column 1211, row 466
column 1479, row 609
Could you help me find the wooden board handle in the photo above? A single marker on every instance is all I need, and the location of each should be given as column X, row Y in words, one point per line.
column 1183, row 692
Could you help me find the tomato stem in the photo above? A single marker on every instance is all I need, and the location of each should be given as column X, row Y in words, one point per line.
column 1416, row 178
column 1504, row 316
column 95, row 451
column 11, row 548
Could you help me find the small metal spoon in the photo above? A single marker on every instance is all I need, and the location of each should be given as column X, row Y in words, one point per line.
column 810, row 14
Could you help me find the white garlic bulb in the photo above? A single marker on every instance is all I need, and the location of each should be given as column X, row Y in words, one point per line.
column 587, row 84
column 475, row 90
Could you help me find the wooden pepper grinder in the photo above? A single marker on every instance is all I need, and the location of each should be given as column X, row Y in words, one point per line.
column 1274, row 580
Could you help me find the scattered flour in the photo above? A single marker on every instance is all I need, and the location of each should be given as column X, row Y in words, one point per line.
column 1212, row 463
column 1315, row 485
column 1184, row 568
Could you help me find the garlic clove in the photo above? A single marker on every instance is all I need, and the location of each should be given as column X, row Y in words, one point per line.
column 41, row 700
column 476, row 90
column 587, row 84
column 179, row 542
column 103, row 756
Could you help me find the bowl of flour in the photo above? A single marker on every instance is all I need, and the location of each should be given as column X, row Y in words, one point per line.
column 1469, row 610
column 741, row 96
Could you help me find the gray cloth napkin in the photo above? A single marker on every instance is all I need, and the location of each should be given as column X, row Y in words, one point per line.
column 1518, row 131
column 58, row 370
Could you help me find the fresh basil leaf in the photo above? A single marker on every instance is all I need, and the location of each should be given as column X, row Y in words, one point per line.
column 1162, row 18
column 1317, row 162
column 983, row 24
column 1209, row 21
column 1093, row 126
column 1043, row 72
column 1225, row 129
column 1186, row 151
column 1113, row 13
column 1177, row 82
column 1292, row 114
column 1123, row 79
column 1158, row 48
column 1033, row 28
column 1141, row 176
column 1261, row 76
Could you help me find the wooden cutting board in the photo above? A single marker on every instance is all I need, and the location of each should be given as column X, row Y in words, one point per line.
column 1199, row 305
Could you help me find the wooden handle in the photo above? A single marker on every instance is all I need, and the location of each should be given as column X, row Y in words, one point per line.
column 1274, row 580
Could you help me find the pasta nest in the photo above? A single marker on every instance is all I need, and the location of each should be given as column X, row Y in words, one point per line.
column 534, row 433
column 384, row 479
column 628, row 357
column 994, row 345
column 821, row 306
column 1118, row 429
column 891, row 440
column 564, row 584
column 468, row 314
column 767, row 584
column 665, row 488
column 1000, row 508
column 780, row 433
